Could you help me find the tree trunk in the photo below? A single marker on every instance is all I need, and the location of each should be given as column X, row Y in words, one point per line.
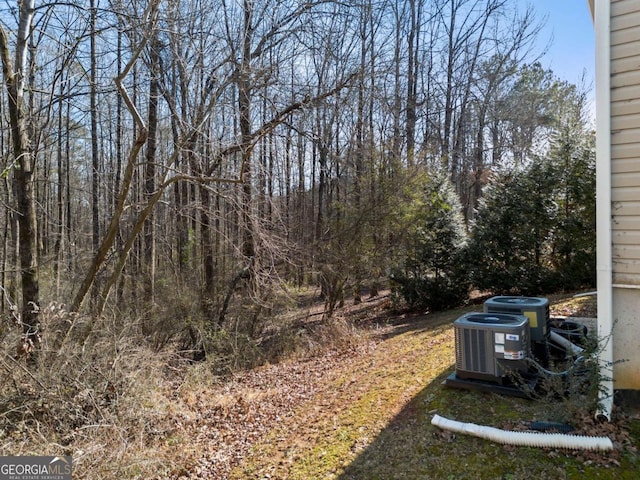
column 127, row 178
column 150, row 173
column 244, row 110
column 95, row 161
column 412, row 79
column 23, row 175
column 58, row 248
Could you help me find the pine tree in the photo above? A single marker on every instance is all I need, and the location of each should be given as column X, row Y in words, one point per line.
column 431, row 275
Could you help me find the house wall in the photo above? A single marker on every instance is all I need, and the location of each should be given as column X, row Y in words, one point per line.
column 625, row 190
column 626, row 335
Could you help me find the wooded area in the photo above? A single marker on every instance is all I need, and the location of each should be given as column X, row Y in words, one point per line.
column 195, row 164
column 191, row 188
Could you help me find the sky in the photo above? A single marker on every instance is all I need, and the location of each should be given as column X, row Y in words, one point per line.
column 569, row 32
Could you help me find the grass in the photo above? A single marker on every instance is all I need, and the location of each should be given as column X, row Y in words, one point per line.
column 360, row 408
column 373, row 422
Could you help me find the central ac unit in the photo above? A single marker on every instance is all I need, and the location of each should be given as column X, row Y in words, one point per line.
column 489, row 346
column 536, row 309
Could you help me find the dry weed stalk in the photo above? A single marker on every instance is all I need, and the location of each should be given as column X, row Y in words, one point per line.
column 97, row 398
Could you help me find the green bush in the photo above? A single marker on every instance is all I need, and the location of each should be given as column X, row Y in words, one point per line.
column 508, row 251
column 534, row 230
column 431, row 274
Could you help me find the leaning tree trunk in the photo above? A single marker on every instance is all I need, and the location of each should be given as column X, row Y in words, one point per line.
column 114, row 225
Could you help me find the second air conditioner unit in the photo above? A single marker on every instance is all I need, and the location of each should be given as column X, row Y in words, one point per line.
column 536, row 309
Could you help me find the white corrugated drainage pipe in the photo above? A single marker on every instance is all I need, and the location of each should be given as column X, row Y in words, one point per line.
column 586, row 294
column 529, row 439
column 563, row 342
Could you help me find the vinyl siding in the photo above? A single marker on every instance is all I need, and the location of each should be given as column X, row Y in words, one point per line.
column 625, row 141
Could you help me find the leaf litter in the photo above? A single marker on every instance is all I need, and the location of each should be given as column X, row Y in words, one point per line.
column 281, row 420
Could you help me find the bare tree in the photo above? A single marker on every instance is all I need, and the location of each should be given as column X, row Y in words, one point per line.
column 108, row 239
column 150, row 168
column 15, row 74
column 255, row 133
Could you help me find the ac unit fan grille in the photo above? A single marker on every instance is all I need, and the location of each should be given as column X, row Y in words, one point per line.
column 471, row 350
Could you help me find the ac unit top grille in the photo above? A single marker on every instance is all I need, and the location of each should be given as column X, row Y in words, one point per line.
column 530, row 301
column 493, row 319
